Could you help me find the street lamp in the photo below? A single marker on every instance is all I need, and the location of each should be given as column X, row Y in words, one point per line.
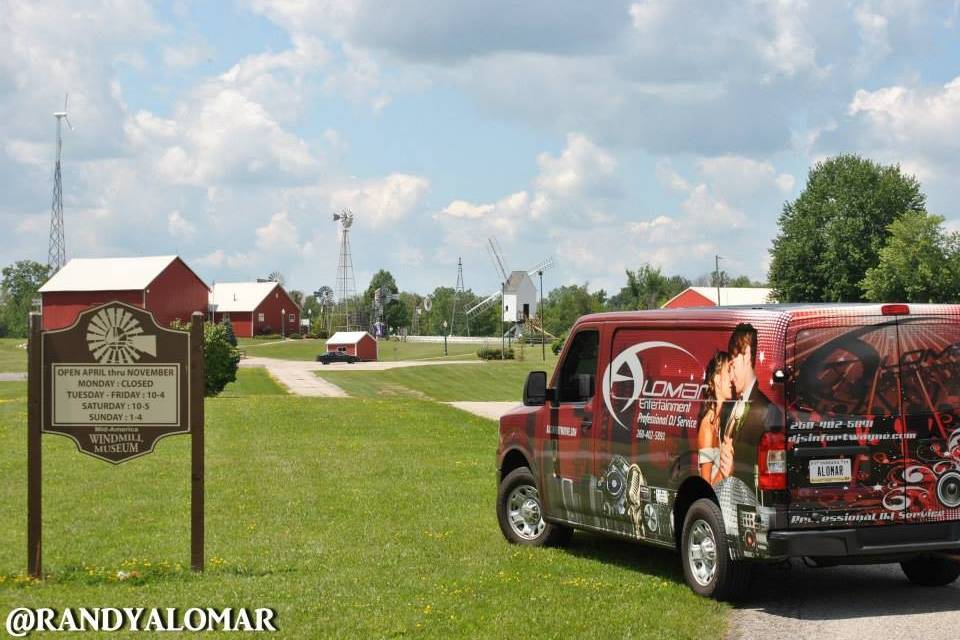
column 444, row 325
column 283, row 324
column 543, row 329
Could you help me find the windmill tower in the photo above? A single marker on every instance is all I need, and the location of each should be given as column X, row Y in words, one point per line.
column 57, row 251
column 346, row 283
column 458, row 293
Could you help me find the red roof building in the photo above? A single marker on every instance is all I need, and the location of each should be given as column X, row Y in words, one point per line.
column 356, row 343
column 255, row 308
column 729, row 296
column 163, row 285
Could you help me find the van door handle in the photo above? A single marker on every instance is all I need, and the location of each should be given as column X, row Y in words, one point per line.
column 585, row 425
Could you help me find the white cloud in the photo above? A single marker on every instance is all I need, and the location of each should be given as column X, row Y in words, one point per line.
column 381, row 201
column 279, row 235
column 180, row 227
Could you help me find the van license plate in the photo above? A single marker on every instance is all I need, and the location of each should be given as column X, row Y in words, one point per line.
column 838, row 470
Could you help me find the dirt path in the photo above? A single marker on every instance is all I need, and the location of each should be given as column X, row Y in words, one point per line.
column 489, row 410
column 299, row 377
column 839, row 603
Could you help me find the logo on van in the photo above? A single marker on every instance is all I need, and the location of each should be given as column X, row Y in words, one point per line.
column 630, row 358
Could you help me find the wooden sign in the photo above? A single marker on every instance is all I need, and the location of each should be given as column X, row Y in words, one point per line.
column 115, row 382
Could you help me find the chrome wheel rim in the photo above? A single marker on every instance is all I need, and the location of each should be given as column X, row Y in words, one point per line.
column 523, row 512
column 702, row 553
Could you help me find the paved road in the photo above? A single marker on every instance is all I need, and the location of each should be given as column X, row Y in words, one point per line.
column 855, row 602
column 299, row 377
column 12, row 377
column 490, row 410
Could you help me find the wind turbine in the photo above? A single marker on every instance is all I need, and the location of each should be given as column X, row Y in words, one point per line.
column 57, row 251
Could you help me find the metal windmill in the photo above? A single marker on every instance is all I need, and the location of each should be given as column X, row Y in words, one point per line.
column 458, row 293
column 346, row 283
column 57, row 250
column 325, row 298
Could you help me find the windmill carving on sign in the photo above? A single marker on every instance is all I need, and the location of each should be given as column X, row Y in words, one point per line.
column 517, row 295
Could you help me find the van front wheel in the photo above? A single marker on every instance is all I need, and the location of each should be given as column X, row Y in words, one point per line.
column 707, row 565
column 520, row 513
column 931, row 570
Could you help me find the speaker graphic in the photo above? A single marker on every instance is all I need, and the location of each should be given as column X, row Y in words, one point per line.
column 948, row 489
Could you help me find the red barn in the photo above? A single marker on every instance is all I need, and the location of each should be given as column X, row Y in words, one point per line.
column 729, row 296
column 163, row 285
column 356, row 343
column 255, row 308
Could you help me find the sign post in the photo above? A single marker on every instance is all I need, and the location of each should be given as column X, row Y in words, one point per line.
column 115, row 382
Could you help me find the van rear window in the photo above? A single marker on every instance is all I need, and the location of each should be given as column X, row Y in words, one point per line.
column 847, row 371
column 930, row 368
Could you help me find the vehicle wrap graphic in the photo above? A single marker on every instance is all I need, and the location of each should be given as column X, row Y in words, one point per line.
column 885, row 397
column 669, row 413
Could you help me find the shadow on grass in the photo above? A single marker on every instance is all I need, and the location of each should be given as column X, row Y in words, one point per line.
column 663, row 563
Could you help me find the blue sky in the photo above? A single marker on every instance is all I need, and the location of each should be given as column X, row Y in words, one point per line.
column 605, row 135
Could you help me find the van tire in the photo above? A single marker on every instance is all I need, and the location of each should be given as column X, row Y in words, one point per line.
column 704, row 540
column 931, row 570
column 518, row 505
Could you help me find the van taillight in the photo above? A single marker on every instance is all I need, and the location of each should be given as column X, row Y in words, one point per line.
column 895, row 310
column 772, row 461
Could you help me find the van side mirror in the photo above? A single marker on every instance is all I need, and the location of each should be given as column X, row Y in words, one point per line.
column 535, row 389
column 585, row 385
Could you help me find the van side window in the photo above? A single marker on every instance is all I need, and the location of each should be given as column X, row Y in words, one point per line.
column 579, row 369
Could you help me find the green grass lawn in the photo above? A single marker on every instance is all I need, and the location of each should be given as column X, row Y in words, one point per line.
column 390, row 350
column 13, row 359
column 252, row 382
column 353, row 518
column 448, row 382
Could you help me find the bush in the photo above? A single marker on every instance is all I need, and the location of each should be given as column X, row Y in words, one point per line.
column 231, row 336
column 319, row 334
column 220, row 358
column 494, row 353
column 294, row 336
column 265, row 330
column 557, row 345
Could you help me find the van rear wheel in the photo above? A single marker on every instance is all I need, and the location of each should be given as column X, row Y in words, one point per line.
column 520, row 513
column 931, row 570
column 707, row 565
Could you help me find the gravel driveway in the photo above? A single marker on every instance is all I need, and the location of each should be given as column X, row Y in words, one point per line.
column 871, row 602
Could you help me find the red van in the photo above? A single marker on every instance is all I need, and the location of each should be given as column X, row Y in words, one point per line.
column 739, row 435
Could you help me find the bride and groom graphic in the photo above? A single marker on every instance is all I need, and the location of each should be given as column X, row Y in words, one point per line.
column 735, row 411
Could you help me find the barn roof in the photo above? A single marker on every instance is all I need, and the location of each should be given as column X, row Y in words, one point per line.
column 730, row 296
column 237, row 297
column 109, row 274
column 347, row 337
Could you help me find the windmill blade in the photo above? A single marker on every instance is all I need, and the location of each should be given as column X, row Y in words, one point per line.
column 66, row 97
column 483, row 304
column 67, row 119
column 544, row 265
column 495, row 259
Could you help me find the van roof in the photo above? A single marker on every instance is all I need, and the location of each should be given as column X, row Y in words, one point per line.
column 791, row 310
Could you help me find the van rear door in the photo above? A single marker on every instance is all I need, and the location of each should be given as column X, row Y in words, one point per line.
column 845, row 437
column 930, row 373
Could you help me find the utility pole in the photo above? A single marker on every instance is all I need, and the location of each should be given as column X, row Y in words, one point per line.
column 717, row 260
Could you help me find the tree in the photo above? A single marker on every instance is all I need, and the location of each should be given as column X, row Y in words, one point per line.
column 647, row 288
column 920, row 262
column 395, row 314
column 833, row 232
column 18, row 288
column 297, row 296
column 564, row 305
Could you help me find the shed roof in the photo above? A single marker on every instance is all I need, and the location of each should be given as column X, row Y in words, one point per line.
column 109, row 274
column 730, row 296
column 236, row 297
column 347, row 337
